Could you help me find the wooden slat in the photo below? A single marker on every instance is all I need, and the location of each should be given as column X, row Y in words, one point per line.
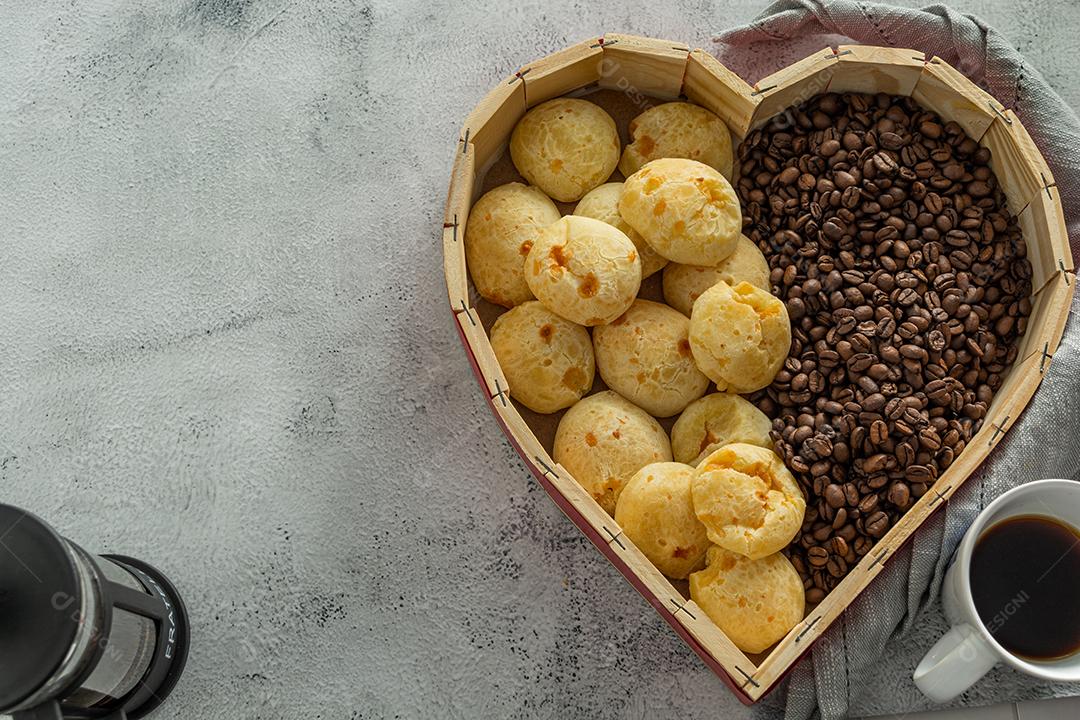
column 713, row 639
column 484, row 355
column 643, row 66
column 489, row 125
column 793, row 86
column 711, row 85
column 1017, row 162
column 945, row 90
column 1049, row 312
column 870, row 69
column 1046, row 236
column 458, row 204
column 1011, row 399
column 562, row 72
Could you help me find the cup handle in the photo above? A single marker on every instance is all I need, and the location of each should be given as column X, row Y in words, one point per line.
column 954, row 664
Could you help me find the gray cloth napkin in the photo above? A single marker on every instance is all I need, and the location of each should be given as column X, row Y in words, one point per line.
column 903, row 599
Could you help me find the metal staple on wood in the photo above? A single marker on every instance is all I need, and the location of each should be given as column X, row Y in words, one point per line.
column 762, row 91
column 880, row 558
column 836, row 55
column 465, row 142
column 1065, row 273
column 602, row 43
column 547, row 468
column 807, row 629
column 500, row 392
column 614, row 537
column 681, row 606
column 938, row 495
column 1045, row 356
column 999, row 113
column 998, row 430
column 468, row 314
column 1046, row 185
column 749, row 678
column 452, row 225
column 519, row 75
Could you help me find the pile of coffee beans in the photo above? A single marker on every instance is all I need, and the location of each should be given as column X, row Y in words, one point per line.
column 907, row 284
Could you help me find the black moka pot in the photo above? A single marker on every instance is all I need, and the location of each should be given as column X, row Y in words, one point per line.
column 82, row 636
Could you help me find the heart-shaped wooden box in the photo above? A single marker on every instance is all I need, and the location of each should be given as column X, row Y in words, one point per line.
column 635, row 70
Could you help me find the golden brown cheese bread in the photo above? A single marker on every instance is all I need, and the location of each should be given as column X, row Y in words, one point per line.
column 656, row 512
column 748, row 500
column 684, row 209
column 678, row 130
column 603, row 204
column 603, row 440
column 644, row 355
column 499, row 234
column 718, row 419
column 755, row 602
column 566, row 147
column 683, row 284
column 740, row 336
column 584, row 270
column 548, row 361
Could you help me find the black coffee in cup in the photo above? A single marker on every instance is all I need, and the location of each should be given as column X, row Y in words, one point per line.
column 1025, row 581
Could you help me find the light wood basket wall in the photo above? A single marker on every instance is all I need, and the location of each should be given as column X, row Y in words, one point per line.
column 666, row 70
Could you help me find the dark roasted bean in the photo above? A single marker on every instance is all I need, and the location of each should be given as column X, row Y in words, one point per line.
column 899, row 495
column 877, row 524
column 817, row 556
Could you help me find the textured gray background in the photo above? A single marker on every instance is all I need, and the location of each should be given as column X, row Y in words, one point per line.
column 226, row 351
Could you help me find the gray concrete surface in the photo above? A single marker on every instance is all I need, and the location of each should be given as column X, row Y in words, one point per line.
column 225, row 350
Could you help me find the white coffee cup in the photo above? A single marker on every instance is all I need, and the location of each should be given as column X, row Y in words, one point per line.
column 968, row 650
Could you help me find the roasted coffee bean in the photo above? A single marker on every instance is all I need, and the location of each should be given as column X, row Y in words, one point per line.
column 877, row 524
column 868, row 504
column 834, row 496
column 788, row 176
column 879, row 432
column 920, row 473
column 885, row 164
column 899, row 495
column 851, row 494
column 817, row 556
column 930, row 129
column 875, row 463
column 877, row 481
column 890, row 141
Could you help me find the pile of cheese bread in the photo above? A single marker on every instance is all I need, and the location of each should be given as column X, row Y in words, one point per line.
column 712, row 502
